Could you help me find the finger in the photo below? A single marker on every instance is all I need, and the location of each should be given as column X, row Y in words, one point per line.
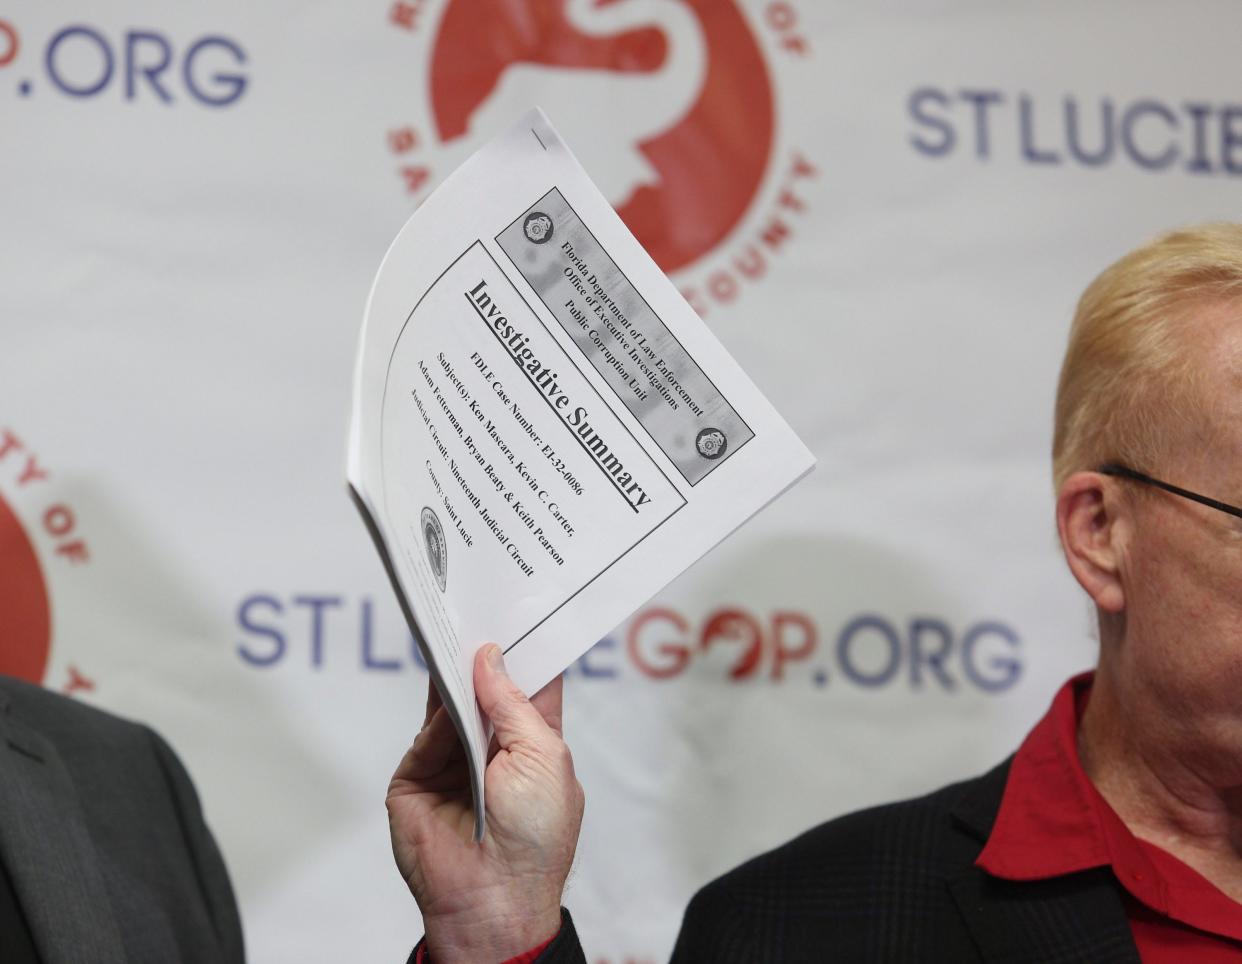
column 454, row 779
column 511, row 713
column 548, row 702
column 435, row 747
column 434, row 701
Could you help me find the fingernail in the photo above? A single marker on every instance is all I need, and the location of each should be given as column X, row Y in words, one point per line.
column 495, row 659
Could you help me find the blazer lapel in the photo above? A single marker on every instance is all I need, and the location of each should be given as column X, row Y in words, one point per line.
column 1078, row 917
column 1075, row 918
column 49, row 854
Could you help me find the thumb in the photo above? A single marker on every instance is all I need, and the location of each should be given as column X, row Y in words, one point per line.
column 511, row 713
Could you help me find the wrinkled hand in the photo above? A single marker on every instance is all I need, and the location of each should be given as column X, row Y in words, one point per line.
column 493, row 900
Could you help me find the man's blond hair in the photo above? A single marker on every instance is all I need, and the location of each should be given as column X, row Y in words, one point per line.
column 1128, row 382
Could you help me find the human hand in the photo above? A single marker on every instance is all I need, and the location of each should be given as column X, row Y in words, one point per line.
column 501, row 897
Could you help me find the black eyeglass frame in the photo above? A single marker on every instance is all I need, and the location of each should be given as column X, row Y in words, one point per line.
column 1124, row 472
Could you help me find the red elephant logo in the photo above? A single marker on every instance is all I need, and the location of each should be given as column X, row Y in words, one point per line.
column 668, row 103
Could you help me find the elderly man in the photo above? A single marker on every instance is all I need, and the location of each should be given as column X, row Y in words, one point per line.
column 1114, row 832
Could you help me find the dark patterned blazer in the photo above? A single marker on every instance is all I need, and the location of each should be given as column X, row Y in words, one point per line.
column 103, row 839
column 897, row 883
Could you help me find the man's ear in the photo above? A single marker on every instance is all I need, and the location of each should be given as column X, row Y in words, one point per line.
column 1087, row 522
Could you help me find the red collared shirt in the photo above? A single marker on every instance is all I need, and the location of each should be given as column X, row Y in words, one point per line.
column 1053, row 821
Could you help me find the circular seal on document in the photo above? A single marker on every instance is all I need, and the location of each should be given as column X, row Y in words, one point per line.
column 711, row 443
column 437, row 546
column 537, row 228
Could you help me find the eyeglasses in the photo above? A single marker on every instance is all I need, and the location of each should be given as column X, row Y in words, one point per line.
column 1121, row 471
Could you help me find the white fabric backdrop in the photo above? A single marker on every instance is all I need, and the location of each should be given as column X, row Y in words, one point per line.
column 886, row 211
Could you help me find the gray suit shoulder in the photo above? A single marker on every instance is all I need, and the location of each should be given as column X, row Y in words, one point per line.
column 46, row 710
column 139, row 804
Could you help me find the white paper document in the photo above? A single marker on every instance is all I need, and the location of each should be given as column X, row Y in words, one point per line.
column 544, row 434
